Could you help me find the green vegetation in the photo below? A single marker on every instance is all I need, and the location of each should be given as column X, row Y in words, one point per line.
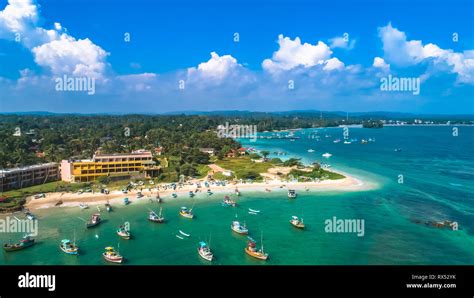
column 244, row 168
column 315, row 173
column 372, row 124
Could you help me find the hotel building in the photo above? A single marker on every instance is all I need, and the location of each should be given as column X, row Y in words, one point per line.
column 28, row 176
column 137, row 163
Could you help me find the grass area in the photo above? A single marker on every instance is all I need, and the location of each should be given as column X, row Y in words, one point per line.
column 244, row 167
column 320, row 174
column 44, row 188
column 203, row 170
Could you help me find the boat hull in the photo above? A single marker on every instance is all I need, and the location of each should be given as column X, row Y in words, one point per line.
column 256, row 255
column 10, row 248
column 205, row 256
column 187, row 215
column 240, row 232
column 116, row 260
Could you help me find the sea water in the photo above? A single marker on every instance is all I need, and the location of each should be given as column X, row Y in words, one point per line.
column 430, row 179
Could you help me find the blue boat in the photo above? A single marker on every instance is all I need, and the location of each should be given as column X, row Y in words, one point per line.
column 126, row 201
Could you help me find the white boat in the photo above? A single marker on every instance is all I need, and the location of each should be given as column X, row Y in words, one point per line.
column 177, row 236
column 238, row 228
column 205, row 251
column 347, row 142
column 83, row 206
column 256, row 211
column 310, row 150
column 327, row 155
column 253, row 213
column 291, row 193
column 184, row 234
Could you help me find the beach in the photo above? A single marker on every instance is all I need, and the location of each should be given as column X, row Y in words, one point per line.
column 349, row 183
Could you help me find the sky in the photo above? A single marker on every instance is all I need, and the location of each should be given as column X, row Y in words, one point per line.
column 155, row 56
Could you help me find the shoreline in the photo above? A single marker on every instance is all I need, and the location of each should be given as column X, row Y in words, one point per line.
column 349, row 183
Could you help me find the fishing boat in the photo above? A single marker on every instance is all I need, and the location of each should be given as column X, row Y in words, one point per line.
column 25, row 242
column 83, row 206
column 252, row 250
column 185, row 212
column 126, row 201
column 111, row 255
column 205, row 251
column 296, row 222
column 123, row 232
column 95, row 220
column 327, row 155
column 69, row 247
column 30, row 215
column 238, row 228
column 184, row 234
column 152, row 216
column 291, row 193
column 108, row 207
column 228, row 202
column 237, row 192
column 158, row 198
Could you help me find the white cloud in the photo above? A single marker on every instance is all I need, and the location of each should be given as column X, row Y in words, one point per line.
column 216, row 69
column 68, row 55
column 342, row 42
column 53, row 49
column 292, row 54
column 402, row 52
column 333, row 64
column 380, row 63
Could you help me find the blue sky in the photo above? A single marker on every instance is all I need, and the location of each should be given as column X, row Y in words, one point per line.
column 335, row 53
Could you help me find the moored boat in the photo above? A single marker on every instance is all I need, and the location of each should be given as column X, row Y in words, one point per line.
column 185, row 212
column 123, row 232
column 108, row 207
column 25, row 242
column 252, row 250
column 111, row 255
column 205, row 251
column 228, row 202
column 95, row 220
column 327, row 155
column 69, row 247
column 296, row 222
column 126, row 201
column 291, row 193
column 191, row 194
column 238, row 228
column 152, row 216
column 83, row 206
column 237, row 192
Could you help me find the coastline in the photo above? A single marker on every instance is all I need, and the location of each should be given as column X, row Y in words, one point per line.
column 349, row 183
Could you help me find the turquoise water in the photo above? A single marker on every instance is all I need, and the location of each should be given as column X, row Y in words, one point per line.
column 437, row 170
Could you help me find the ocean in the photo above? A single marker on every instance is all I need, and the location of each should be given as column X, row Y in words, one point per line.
column 430, row 179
